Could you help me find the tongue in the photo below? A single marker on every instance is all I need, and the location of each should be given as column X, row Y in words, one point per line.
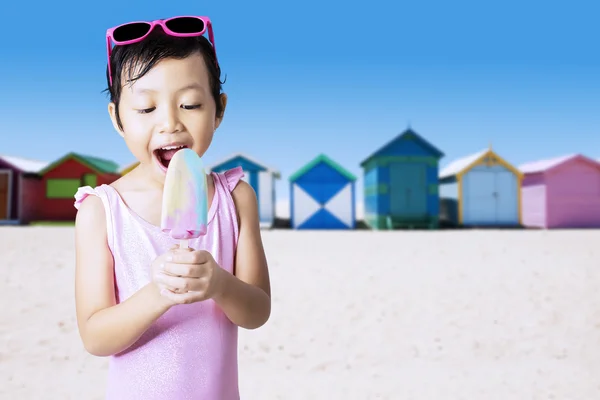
column 168, row 154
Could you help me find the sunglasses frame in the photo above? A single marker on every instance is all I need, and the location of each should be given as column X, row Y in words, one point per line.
column 152, row 25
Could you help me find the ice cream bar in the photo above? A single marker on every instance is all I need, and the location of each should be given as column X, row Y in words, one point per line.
column 185, row 197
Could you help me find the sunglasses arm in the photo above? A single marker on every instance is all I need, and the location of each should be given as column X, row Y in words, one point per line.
column 108, row 54
column 211, row 37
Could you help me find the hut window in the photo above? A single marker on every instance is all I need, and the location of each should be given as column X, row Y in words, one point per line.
column 90, row 180
column 62, row 188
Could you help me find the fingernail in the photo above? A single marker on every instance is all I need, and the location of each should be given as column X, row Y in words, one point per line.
column 169, row 258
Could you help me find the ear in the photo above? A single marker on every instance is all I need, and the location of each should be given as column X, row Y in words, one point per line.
column 219, row 118
column 112, row 111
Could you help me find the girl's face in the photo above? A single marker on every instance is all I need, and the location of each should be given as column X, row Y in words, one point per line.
column 169, row 107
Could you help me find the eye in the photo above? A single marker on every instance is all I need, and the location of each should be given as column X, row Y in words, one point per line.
column 146, row 110
column 191, row 107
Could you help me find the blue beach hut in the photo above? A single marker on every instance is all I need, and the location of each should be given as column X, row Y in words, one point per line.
column 401, row 183
column 481, row 189
column 262, row 179
column 322, row 196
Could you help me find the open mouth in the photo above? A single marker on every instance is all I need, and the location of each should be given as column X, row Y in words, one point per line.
column 165, row 154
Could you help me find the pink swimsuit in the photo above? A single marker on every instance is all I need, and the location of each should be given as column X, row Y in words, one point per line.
column 190, row 352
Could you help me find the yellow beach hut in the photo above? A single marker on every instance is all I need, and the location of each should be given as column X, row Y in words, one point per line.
column 129, row 168
column 481, row 189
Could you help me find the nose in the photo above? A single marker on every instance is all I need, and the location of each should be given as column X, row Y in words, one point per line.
column 170, row 122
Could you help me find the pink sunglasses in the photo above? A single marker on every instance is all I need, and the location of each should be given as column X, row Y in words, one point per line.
column 133, row 32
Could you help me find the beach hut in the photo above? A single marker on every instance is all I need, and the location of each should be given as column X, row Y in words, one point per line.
column 261, row 177
column 19, row 184
column 62, row 178
column 322, row 196
column 562, row 192
column 481, row 189
column 401, row 183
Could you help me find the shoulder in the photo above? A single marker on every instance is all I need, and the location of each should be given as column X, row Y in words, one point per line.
column 93, row 228
column 246, row 204
column 91, row 214
column 244, row 197
column 243, row 191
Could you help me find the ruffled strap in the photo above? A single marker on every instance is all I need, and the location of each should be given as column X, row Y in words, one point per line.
column 82, row 193
column 85, row 191
column 233, row 176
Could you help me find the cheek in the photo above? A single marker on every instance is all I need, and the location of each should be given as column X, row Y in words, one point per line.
column 133, row 125
column 203, row 139
column 137, row 136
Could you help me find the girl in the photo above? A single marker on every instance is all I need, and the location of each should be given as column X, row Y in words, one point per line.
column 167, row 318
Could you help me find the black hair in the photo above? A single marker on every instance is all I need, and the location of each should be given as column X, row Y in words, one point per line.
column 139, row 58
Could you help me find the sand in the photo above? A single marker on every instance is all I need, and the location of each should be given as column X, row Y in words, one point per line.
column 359, row 315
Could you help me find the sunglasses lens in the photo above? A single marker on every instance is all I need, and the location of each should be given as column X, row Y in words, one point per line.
column 185, row 25
column 131, row 31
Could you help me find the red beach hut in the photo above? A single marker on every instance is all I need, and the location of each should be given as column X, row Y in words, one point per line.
column 62, row 178
column 19, row 185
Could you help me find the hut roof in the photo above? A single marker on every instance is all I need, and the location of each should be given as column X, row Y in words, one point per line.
column 462, row 165
column 24, row 164
column 434, row 150
column 548, row 164
column 100, row 165
column 272, row 170
column 324, row 159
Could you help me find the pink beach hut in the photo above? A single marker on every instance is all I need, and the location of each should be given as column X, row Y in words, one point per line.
column 562, row 192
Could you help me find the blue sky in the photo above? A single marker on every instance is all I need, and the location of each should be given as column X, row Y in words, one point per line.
column 341, row 78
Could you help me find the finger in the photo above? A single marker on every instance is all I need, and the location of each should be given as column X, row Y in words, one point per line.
column 172, row 290
column 184, row 270
column 175, row 282
column 195, row 257
column 182, row 298
column 163, row 269
column 170, row 295
column 184, row 284
column 162, row 283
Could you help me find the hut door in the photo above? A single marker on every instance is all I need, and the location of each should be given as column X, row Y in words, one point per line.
column 408, row 190
column 479, row 198
column 265, row 196
column 4, row 194
column 507, row 206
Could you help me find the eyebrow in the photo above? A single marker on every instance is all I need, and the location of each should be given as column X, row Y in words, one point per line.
column 191, row 86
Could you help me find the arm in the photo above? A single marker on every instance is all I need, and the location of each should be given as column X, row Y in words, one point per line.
column 106, row 328
column 246, row 296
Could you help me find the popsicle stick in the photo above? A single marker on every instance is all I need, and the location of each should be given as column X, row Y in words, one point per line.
column 183, row 243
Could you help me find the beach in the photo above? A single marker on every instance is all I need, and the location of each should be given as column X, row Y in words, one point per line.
column 440, row 315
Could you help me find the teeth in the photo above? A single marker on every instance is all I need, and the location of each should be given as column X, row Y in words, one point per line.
column 172, row 147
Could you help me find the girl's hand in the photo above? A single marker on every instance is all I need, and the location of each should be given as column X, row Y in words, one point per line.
column 189, row 276
column 157, row 279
